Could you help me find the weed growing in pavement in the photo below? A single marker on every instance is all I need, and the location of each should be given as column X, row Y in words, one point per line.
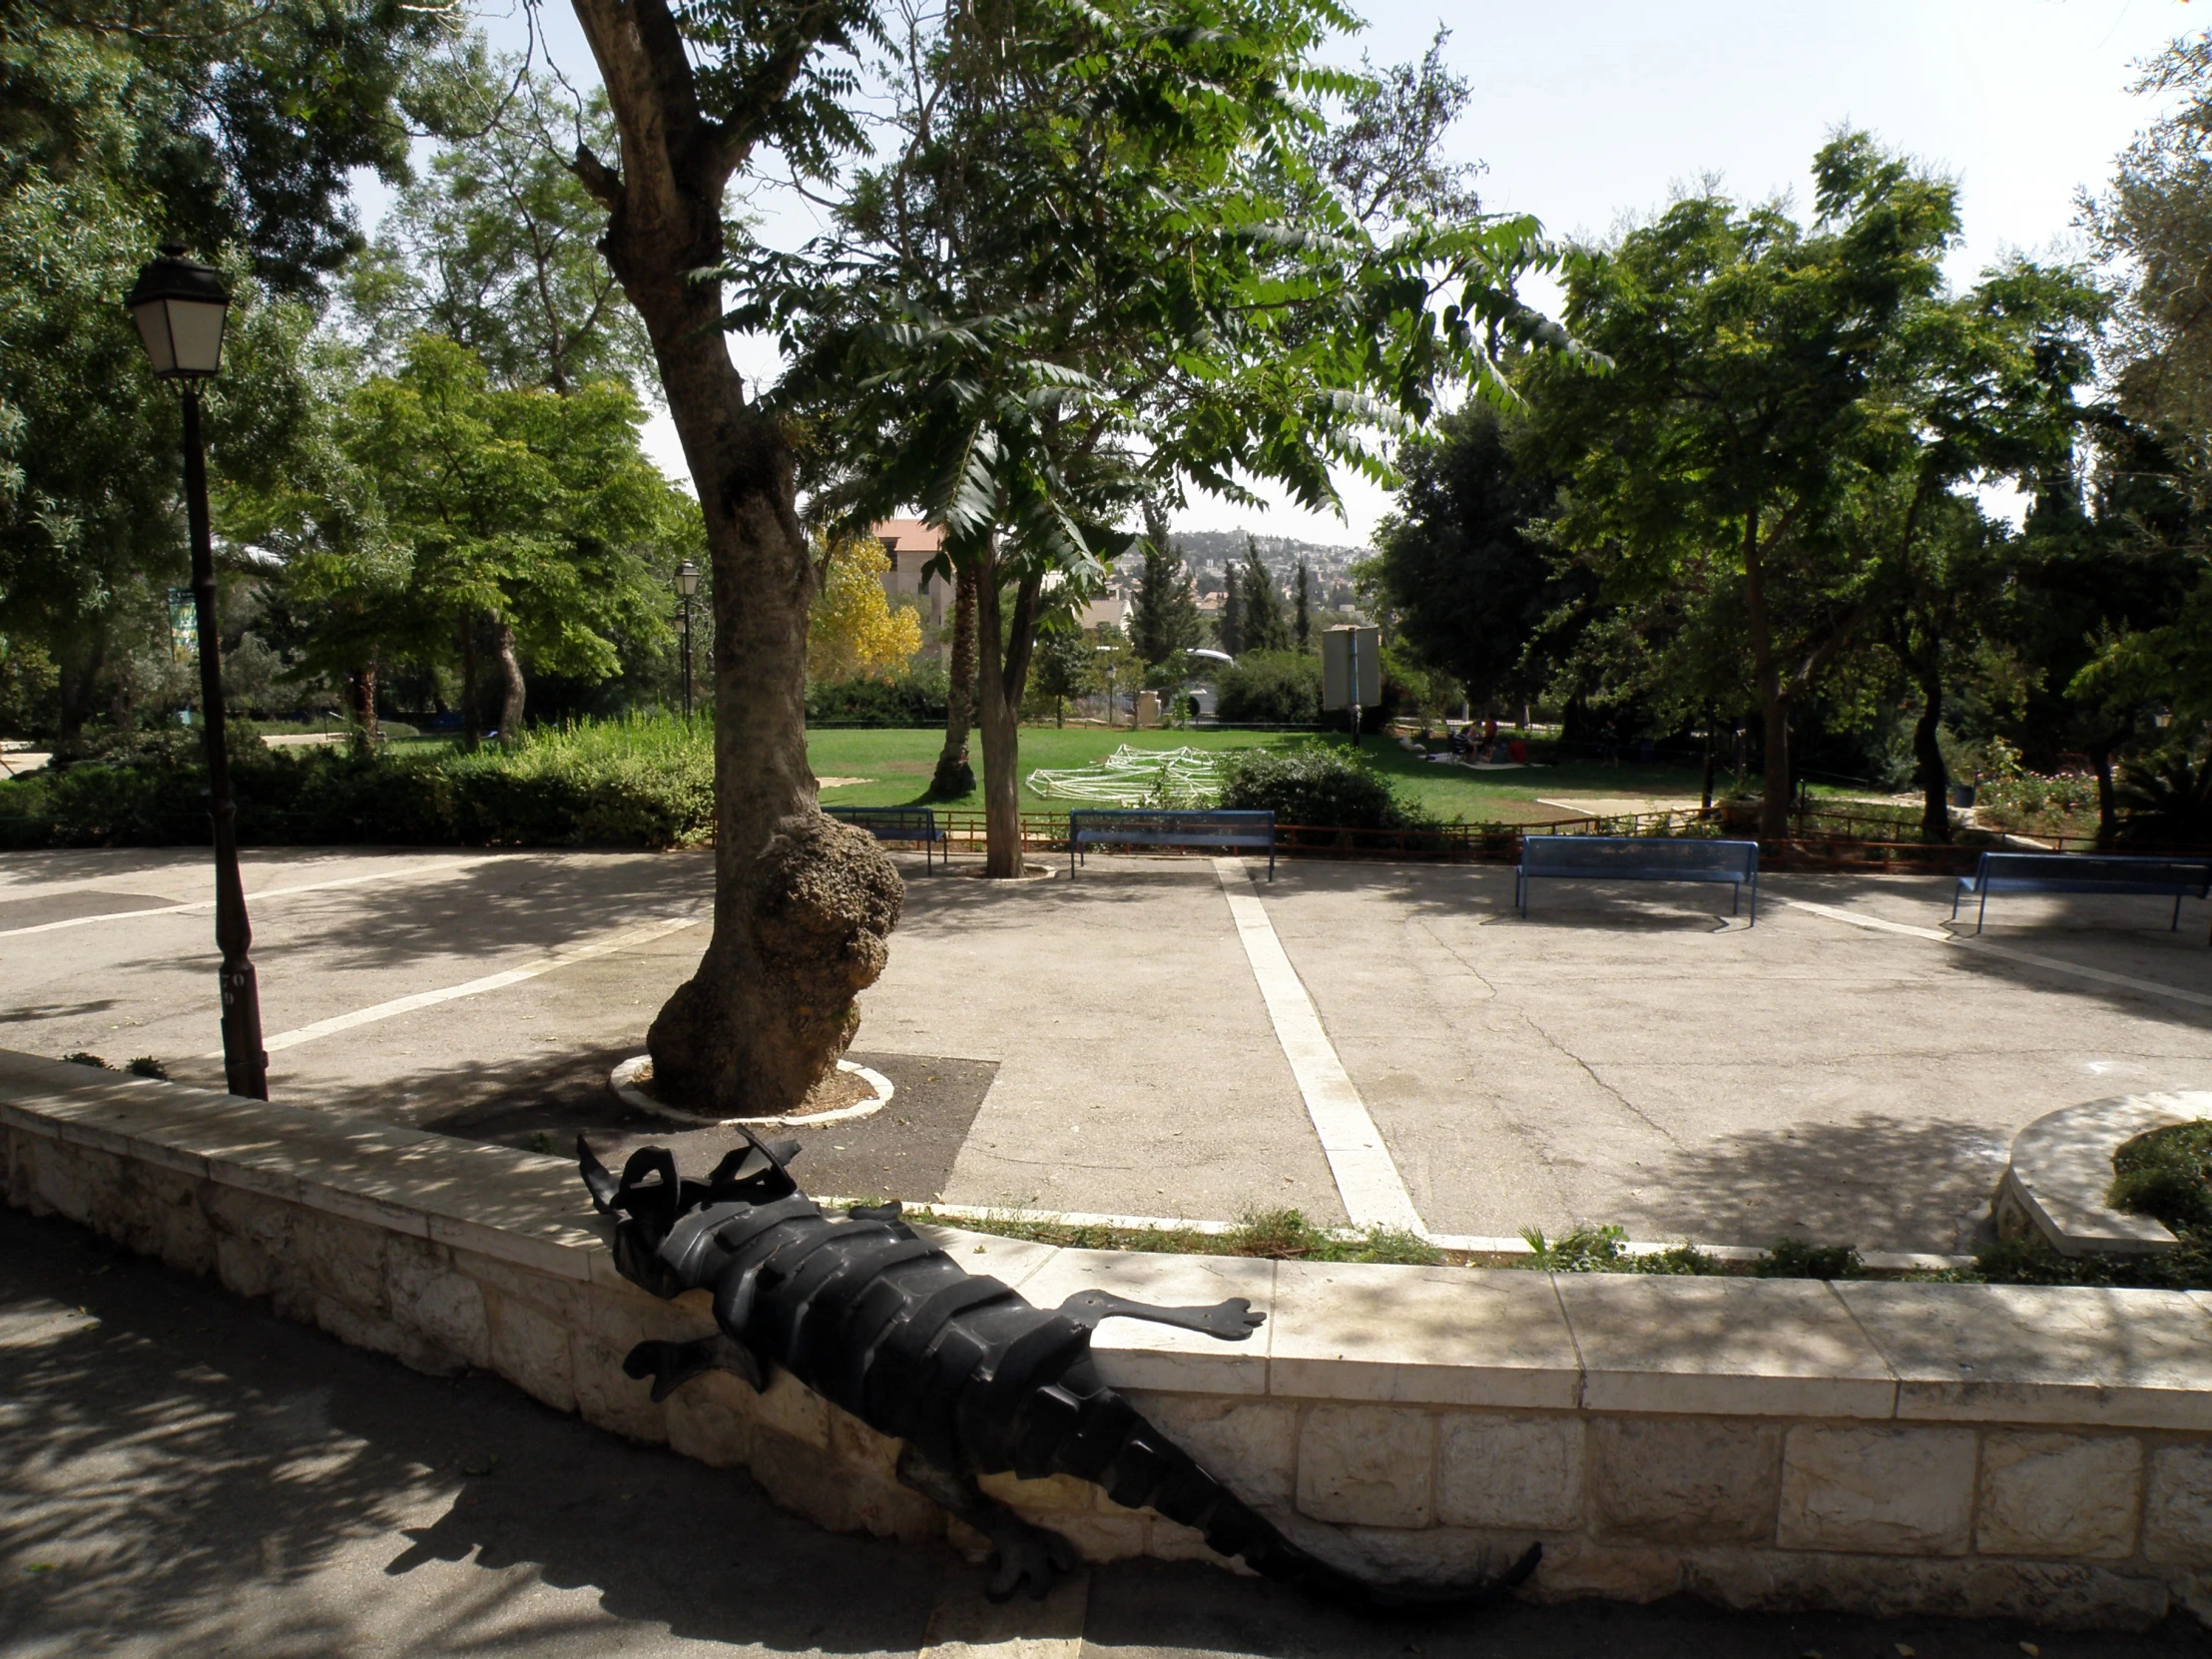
column 1795, row 1258
column 1276, row 1235
column 1605, row 1250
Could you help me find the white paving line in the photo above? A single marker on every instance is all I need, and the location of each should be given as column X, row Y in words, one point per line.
column 1374, row 1193
column 252, row 898
column 475, row 987
column 1875, row 924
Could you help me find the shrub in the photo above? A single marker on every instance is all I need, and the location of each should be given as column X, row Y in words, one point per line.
column 643, row 782
column 917, row 698
column 1270, row 687
column 2167, row 1175
column 1318, row 783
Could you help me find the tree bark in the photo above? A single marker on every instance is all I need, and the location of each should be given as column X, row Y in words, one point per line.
column 803, row 905
column 1935, row 775
column 2108, row 807
column 512, row 690
column 472, row 723
column 1005, row 670
column 77, row 672
column 1774, row 811
column 360, row 693
column 956, row 777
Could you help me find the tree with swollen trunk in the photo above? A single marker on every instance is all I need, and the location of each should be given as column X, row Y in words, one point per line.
column 1752, row 363
column 1100, row 269
column 803, row 907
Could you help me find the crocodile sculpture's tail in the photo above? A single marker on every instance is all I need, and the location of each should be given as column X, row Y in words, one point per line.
column 972, row 1377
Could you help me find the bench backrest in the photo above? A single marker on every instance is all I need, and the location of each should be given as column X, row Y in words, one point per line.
column 1595, row 855
column 885, row 818
column 2118, row 868
column 1231, row 827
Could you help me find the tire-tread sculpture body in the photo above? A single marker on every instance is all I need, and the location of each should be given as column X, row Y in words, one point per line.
column 971, row 1377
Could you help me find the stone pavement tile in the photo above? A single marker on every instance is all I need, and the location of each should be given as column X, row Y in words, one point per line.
column 1437, row 1336
column 2041, row 1354
column 1758, row 1347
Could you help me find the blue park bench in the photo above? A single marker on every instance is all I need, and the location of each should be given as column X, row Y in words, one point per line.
column 1638, row 859
column 897, row 823
column 2099, row 873
column 1170, row 828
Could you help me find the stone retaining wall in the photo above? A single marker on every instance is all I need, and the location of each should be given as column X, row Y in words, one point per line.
column 1882, row 1448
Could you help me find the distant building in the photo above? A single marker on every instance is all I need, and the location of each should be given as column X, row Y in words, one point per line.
column 910, row 544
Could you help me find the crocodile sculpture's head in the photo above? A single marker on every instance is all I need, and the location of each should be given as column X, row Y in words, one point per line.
column 650, row 1198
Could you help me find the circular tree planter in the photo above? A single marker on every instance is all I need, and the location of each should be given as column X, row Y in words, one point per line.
column 633, row 1079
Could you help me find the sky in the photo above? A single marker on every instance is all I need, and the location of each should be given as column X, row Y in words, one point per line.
column 1591, row 113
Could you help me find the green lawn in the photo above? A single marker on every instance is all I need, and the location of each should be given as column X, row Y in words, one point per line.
column 895, row 766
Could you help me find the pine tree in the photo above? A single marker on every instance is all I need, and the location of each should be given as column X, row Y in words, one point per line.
column 1164, row 619
column 1264, row 626
column 1302, row 626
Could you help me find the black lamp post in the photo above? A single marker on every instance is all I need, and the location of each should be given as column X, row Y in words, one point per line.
column 687, row 584
column 180, row 306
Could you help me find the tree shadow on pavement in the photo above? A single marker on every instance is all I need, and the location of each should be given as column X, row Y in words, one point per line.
column 191, row 1476
column 1875, row 1181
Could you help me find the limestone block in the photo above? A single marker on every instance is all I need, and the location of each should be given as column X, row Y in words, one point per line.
column 1573, row 1568
column 1046, row 1500
column 2065, row 1495
column 243, row 1266
column 380, row 1335
column 1497, row 1469
column 426, row 1296
column 1434, row 1557
column 531, row 1351
column 861, row 1448
column 2177, row 1518
column 183, row 1237
column 1684, row 1479
column 343, row 1259
column 1250, row 1446
column 1367, row 1465
column 809, row 1481
column 554, row 1296
column 62, row 1179
column 1888, row 1490
column 974, row 1548
column 787, row 1406
column 608, row 1397
column 2061, row 1594
column 710, row 1418
column 621, row 1315
column 1101, row 1539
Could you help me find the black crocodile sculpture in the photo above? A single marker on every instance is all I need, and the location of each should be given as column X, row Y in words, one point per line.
column 972, row 1378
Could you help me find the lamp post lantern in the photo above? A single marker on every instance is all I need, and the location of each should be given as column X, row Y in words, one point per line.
column 180, row 306
column 687, row 584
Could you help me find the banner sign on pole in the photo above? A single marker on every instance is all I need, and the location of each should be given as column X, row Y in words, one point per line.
column 184, row 626
column 1344, row 651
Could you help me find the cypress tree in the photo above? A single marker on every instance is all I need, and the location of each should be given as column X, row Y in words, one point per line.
column 1302, row 626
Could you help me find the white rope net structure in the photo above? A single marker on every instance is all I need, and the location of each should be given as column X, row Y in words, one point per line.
column 1136, row 777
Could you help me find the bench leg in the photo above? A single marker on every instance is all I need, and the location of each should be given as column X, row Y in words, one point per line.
column 1755, row 899
column 1735, row 898
column 2177, row 927
column 1954, row 902
column 1982, row 915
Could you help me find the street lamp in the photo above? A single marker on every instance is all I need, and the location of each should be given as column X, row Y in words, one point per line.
column 687, row 584
column 179, row 306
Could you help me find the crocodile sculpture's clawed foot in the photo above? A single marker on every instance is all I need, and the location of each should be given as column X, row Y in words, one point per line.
column 1232, row 1321
column 1029, row 1554
column 671, row 1365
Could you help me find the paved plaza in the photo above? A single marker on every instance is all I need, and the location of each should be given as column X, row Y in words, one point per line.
column 1845, row 1071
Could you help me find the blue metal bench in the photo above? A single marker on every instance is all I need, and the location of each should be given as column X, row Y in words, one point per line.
column 1170, row 828
column 897, row 823
column 2082, row 872
column 1638, row 859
